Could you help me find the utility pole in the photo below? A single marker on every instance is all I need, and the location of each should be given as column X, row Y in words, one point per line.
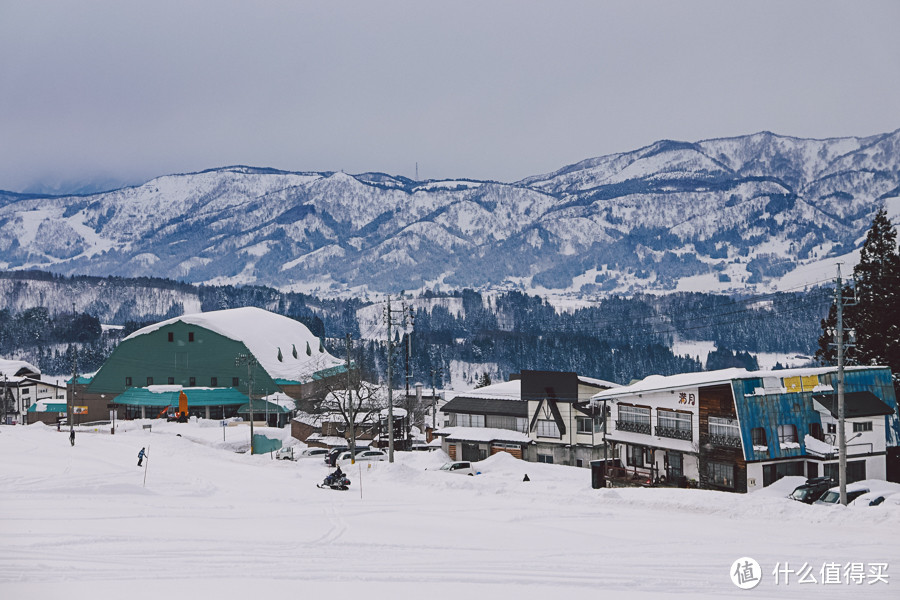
column 408, row 355
column 250, row 361
column 390, row 346
column 74, row 381
column 434, row 398
column 72, row 396
column 389, row 318
column 350, row 408
column 839, row 341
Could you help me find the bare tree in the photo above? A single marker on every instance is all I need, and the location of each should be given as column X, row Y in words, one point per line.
column 357, row 404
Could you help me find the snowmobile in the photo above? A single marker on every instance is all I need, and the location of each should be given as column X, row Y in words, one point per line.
column 335, row 482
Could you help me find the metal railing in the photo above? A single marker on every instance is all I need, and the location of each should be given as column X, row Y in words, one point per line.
column 632, row 426
column 674, row 432
column 725, row 440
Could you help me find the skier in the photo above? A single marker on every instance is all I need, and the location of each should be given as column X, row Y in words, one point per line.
column 140, row 456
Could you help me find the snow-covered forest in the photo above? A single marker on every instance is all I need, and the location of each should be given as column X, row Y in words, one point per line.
column 44, row 317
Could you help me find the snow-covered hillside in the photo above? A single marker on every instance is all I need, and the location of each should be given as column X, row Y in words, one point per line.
column 85, row 522
column 728, row 214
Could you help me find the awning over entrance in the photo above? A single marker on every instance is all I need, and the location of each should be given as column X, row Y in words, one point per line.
column 169, row 397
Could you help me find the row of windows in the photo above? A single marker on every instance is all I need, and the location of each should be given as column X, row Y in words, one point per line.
column 192, row 381
column 492, row 421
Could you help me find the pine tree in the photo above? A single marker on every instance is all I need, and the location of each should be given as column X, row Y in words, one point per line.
column 876, row 316
column 878, row 288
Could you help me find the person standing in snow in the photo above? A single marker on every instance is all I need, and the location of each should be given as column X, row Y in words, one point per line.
column 140, row 456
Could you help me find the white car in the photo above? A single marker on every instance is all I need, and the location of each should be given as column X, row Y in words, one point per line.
column 313, row 452
column 285, row 453
column 362, row 455
column 460, row 467
column 833, row 496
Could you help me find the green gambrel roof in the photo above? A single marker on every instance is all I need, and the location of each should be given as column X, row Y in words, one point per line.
column 195, row 396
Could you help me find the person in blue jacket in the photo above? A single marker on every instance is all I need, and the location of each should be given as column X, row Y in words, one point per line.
column 141, row 456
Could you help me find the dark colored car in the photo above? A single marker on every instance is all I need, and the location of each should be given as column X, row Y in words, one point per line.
column 812, row 490
column 334, row 453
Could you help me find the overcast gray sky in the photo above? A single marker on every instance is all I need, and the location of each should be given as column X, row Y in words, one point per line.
column 126, row 91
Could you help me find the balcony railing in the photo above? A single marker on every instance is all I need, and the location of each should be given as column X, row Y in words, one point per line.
column 673, row 432
column 725, row 440
column 632, row 426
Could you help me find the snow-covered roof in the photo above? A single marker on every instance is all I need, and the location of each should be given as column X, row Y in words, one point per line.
column 687, row 380
column 597, row 382
column 814, row 446
column 483, row 434
column 12, row 368
column 333, row 440
column 282, row 400
column 265, row 334
column 506, row 390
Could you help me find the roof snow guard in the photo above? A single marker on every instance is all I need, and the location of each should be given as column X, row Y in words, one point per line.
column 271, row 338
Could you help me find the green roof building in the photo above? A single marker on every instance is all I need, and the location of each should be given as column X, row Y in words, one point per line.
column 209, row 355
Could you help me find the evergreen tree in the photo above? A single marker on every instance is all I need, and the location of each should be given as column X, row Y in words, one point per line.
column 878, row 288
column 876, row 316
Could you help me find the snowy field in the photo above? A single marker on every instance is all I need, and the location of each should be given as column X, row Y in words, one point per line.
column 79, row 523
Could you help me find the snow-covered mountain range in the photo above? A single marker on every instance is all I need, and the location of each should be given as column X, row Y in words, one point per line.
column 732, row 213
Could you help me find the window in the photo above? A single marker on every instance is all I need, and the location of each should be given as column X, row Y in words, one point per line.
column 504, row 422
column 585, row 425
column 670, row 423
column 213, row 382
column 864, row 426
column 856, row 471
column 721, row 474
column 724, row 432
column 128, row 382
column 149, row 381
column 171, row 336
column 772, row 473
column 192, row 382
column 634, row 456
column 190, row 336
column 545, row 458
column 547, row 429
column 633, row 418
column 815, row 430
column 759, row 436
column 235, row 382
column 674, row 464
column 26, row 391
column 171, row 381
column 787, row 434
column 465, row 420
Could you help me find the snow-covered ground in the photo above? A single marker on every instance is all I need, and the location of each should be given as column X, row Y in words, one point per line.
column 78, row 522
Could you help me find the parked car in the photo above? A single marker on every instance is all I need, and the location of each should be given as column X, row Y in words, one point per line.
column 877, row 498
column 812, row 490
column 285, row 453
column 313, row 453
column 364, row 455
column 833, row 496
column 460, row 467
column 334, row 453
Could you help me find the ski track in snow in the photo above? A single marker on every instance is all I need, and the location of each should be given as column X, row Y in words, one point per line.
column 78, row 523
